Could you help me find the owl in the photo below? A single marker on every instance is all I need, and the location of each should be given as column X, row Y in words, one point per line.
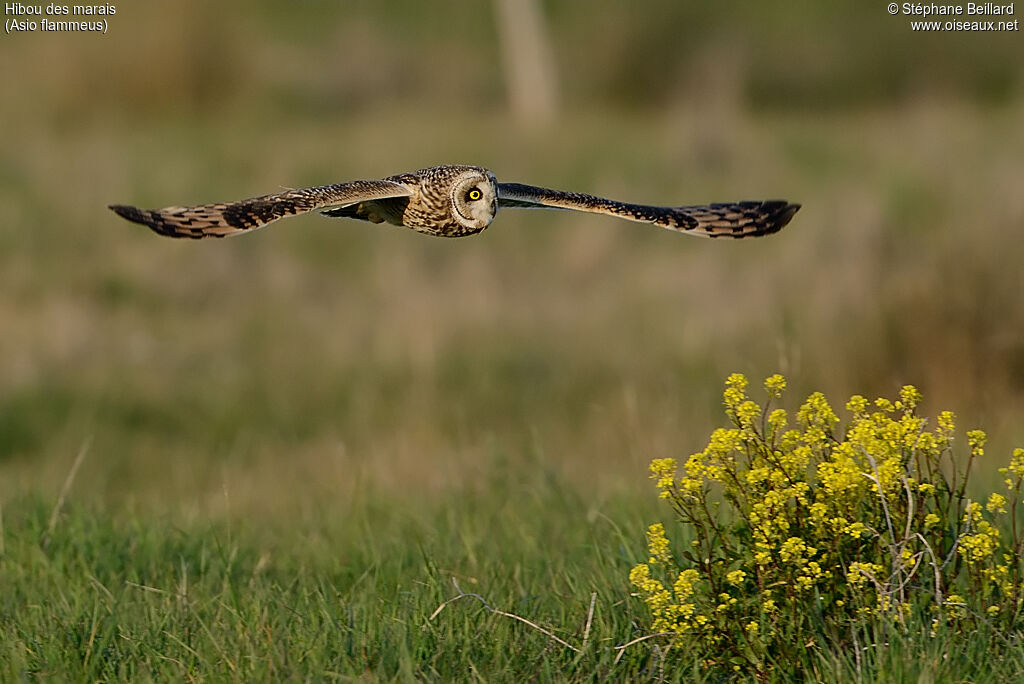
column 450, row 201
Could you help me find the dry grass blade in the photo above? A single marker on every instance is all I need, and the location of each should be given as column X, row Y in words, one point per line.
column 64, row 490
column 590, row 619
column 503, row 613
column 622, row 649
column 143, row 587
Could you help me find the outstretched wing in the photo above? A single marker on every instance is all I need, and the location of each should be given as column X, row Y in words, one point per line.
column 732, row 219
column 231, row 218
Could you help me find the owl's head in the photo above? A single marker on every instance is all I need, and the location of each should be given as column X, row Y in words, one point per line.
column 474, row 198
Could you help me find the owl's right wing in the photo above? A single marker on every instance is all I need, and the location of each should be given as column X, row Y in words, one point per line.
column 730, row 219
column 231, row 218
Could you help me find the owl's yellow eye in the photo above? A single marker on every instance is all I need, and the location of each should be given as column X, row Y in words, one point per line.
column 474, row 194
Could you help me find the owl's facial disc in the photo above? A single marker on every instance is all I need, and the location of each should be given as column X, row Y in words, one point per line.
column 475, row 200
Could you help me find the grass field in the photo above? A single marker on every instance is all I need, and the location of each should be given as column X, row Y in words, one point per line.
column 297, row 439
column 356, row 596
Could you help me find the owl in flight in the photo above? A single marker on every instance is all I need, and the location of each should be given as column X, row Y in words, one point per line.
column 450, row 201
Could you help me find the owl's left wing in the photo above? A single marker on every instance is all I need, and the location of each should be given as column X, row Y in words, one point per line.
column 732, row 219
column 231, row 218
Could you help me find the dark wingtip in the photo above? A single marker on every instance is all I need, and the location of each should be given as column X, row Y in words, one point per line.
column 780, row 215
column 133, row 214
column 147, row 218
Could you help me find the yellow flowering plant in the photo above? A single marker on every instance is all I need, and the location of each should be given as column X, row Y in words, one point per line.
column 816, row 532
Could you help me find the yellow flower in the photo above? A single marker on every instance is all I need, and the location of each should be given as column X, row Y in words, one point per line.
column 976, row 441
column 736, row 577
column 996, row 503
column 795, row 549
column 859, row 573
column 734, row 386
column 664, row 469
column 972, row 512
column 802, row 507
column 910, row 397
column 657, row 596
column 977, row 547
column 684, row 586
column 657, row 545
column 811, row 574
column 884, row 404
column 747, row 412
column 737, row 380
column 857, row 404
column 1017, row 463
column 816, row 413
column 639, row 574
column 927, row 443
column 947, row 423
column 957, row 605
column 722, row 443
column 775, row 385
column 856, row 529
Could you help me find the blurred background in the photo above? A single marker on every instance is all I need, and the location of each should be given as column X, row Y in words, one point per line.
column 321, row 359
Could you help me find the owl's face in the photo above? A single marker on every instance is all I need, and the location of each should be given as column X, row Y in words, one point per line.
column 474, row 199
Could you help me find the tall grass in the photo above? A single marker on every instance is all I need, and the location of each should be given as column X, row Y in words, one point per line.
column 351, row 592
column 371, row 590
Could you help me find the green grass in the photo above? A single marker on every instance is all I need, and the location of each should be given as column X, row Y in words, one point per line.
column 353, row 593
column 347, row 593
